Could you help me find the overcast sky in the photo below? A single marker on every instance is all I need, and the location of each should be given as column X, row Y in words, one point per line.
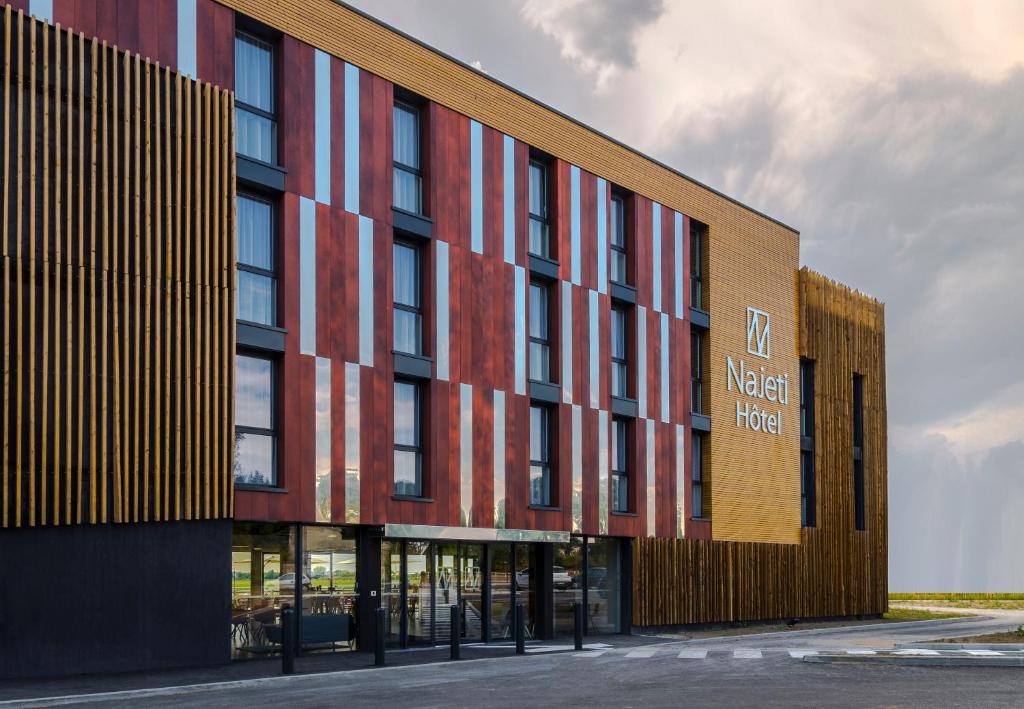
column 891, row 135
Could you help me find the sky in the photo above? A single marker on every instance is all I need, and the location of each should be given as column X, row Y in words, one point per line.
column 891, row 135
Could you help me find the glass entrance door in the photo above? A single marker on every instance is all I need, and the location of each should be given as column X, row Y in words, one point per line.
column 471, row 597
column 502, row 578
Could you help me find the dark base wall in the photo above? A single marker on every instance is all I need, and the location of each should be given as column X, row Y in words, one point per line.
column 111, row 598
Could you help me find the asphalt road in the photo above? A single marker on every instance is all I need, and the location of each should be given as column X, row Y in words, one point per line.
column 761, row 671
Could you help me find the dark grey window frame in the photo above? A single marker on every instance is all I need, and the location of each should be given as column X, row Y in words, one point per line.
column 417, row 447
column 417, row 110
column 859, row 516
column 256, row 196
column 272, row 116
column 621, row 473
column 544, row 463
column 545, row 343
column 698, row 441
column 698, row 246
column 808, row 483
column 418, row 250
column 544, row 217
column 621, row 362
column 272, row 432
column 622, row 248
column 696, row 371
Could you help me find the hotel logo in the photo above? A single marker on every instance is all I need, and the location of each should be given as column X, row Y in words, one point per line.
column 758, row 333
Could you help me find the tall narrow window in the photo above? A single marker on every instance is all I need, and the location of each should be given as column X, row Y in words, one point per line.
column 408, row 440
column 257, row 286
column 808, row 506
column 620, row 273
column 698, row 245
column 696, row 371
column 697, row 509
column 255, row 104
column 540, row 336
column 620, row 370
column 540, row 456
column 858, row 452
column 408, row 181
column 539, row 220
column 620, row 465
column 255, row 421
column 408, row 299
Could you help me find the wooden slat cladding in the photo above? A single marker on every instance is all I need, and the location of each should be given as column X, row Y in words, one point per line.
column 117, row 239
column 835, row 570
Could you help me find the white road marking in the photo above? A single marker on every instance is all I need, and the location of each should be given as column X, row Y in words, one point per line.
column 860, row 652
column 986, row 653
column 592, row 653
column 747, row 654
column 693, row 655
column 641, row 653
column 915, row 651
column 800, row 654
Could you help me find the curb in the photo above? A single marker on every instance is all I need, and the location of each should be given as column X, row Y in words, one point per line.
column 918, row 660
column 1008, row 647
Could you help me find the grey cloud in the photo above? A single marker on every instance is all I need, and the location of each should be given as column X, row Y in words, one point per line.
column 604, row 30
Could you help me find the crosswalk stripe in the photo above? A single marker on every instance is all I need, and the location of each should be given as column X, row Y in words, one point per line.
column 747, row 654
column 800, row 654
column 592, row 653
column 692, row 654
column 984, row 652
column 915, row 651
column 640, row 654
column 860, row 652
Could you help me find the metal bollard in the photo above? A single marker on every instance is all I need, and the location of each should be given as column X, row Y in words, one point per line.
column 379, row 637
column 520, row 618
column 455, row 632
column 287, row 640
column 578, row 617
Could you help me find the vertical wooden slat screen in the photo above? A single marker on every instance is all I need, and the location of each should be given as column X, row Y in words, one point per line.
column 118, row 289
column 835, row 570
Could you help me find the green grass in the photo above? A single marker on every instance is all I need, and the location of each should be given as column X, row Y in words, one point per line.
column 956, row 596
column 917, row 614
column 1008, row 636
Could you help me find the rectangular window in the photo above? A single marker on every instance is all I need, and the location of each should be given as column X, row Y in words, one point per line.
column 408, row 439
column 858, row 452
column 697, row 476
column 540, row 456
column 540, row 335
column 620, row 369
column 696, row 371
column 539, row 206
column 620, row 465
column 698, row 244
column 408, row 180
column 255, row 421
column 257, row 285
column 620, row 271
column 808, row 504
column 255, row 104
column 408, row 298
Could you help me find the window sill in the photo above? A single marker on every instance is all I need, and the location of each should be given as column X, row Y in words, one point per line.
column 411, row 498
column 700, row 519
column 624, row 514
column 261, row 337
column 543, row 267
column 623, row 293
column 261, row 488
column 259, row 174
column 411, row 223
column 544, row 508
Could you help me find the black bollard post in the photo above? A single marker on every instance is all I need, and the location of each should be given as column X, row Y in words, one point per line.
column 379, row 636
column 455, row 632
column 579, row 616
column 287, row 640
column 520, row 630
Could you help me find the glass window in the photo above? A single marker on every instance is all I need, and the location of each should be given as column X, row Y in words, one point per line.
column 618, row 240
column 255, row 107
column 566, row 584
column 329, row 595
column 620, row 465
column 408, row 437
column 408, row 313
column 539, row 226
column 257, row 286
column 620, row 371
column 697, row 476
column 860, row 522
column 255, row 438
column 262, row 580
column 540, row 461
column 540, row 342
column 408, row 190
column 696, row 372
column 604, row 585
column 698, row 236
column 807, row 480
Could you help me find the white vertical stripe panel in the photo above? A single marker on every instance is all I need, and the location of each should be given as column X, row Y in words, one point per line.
column 567, row 342
column 187, row 37
column 641, row 361
column 509, row 186
column 307, row 276
column 476, row 186
column 352, row 427
column 43, row 9
column 466, row 453
column 366, row 291
column 577, row 468
column 322, row 414
column 574, row 180
column 656, row 257
column 595, row 353
column 499, row 459
column 322, row 105
column 351, row 138
column 651, row 479
column 678, row 276
column 664, row 395
column 441, row 318
column 602, row 235
column 680, row 481
column 602, row 472
column 520, row 333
